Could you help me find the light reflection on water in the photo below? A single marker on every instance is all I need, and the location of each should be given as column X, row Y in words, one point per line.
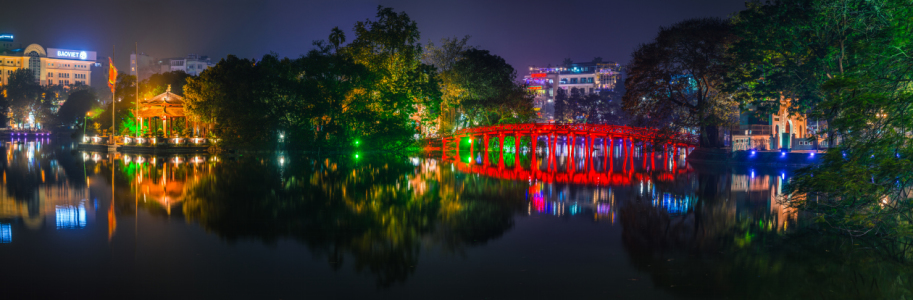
column 384, row 218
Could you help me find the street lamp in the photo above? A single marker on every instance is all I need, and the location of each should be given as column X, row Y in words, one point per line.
column 88, row 114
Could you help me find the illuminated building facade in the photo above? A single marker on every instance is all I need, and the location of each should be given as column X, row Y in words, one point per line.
column 192, row 64
column 587, row 78
column 51, row 66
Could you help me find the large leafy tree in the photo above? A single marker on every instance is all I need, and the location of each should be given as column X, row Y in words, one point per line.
column 489, row 94
column 374, row 90
column 407, row 94
column 577, row 106
column 125, row 97
column 444, row 57
column 861, row 84
column 231, row 95
column 24, row 95
column 676, row 81
column 158, row 83
column 788, row 49
column 77, row 105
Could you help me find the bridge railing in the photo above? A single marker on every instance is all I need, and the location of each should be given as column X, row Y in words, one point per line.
column 579, row 129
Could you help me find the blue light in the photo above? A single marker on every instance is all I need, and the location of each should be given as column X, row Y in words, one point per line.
column 752, row 173
column 752, row 152
column 6, row 234
column 812, row 154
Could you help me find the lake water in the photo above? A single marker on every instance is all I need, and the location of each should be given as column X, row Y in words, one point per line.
column 640, row 225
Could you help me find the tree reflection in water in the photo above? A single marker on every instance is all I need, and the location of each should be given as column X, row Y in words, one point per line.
column 379, row 211
column 698, row 233
column 736, row 228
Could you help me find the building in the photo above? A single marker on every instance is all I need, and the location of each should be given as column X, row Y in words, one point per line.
column 772, row 131
column 587, row 78
column 51, row 66
column 192, row 64
column 144, row 65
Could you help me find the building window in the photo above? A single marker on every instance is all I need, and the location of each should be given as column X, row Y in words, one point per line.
column 50, row 74
column 573, row 80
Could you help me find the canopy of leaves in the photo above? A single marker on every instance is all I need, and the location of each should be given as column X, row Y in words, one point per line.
column 676, row 80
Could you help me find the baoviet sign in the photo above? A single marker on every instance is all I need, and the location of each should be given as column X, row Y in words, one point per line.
column 71, row 54
column 537, row 75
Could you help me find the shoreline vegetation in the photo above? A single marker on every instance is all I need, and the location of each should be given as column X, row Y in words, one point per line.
column 845, row 64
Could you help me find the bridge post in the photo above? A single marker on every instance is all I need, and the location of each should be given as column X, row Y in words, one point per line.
column 570, row 151
column 551, row 150
column 501, row 149
column 472, row 157
column 643, row 153
column 533, row 143
column 624, row 149
column 486, row 150
column 456, row 140
column 605, row 153
column 517, row 150
column 589, row 152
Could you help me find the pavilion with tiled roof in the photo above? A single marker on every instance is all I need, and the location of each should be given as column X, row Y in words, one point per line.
column 164, row 108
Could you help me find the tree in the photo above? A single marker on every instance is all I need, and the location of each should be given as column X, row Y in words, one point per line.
column 859, row 80
column 159, row 82
column 75, row 108
column 337, row 37
column 231, row 96
column 489, row 94
column 24, row 95
column 578, row 107
column 125, row 95
column 443, row 58
column 407, row 94
column 677, row 80
column 373, row 90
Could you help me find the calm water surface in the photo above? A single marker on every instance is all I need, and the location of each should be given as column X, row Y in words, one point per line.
column 635, row 226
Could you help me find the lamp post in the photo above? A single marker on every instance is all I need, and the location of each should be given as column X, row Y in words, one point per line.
column 84, row 121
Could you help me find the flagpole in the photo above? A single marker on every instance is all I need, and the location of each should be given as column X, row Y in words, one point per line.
column 113, row 122
column 136, row 102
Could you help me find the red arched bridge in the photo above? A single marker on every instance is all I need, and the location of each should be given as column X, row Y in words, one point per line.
column 568, row 140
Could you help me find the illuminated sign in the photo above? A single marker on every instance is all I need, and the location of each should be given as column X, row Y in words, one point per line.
column 6, row 37
column 537, row 75
column 535, row 87
column 71, row 54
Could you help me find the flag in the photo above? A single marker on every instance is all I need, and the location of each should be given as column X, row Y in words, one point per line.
column 112, row 75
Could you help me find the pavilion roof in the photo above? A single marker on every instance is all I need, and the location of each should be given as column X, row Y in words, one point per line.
column 165, row 99
column 160, row 111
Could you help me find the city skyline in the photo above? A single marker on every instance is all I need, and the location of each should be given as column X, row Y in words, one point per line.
column 288, row 28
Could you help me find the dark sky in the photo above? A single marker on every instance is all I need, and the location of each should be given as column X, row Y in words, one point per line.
column 523, row 32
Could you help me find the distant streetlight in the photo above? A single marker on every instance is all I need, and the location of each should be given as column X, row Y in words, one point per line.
column 88, row 114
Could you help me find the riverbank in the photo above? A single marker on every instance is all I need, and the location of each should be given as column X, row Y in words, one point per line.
column 754, row 158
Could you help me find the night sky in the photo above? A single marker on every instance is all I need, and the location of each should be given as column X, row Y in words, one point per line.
column 533, row 32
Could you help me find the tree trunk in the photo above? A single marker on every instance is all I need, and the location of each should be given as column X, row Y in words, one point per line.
column 710, row 137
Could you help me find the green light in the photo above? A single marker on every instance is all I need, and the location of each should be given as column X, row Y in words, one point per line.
column 356, row 155
column 356, row 142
